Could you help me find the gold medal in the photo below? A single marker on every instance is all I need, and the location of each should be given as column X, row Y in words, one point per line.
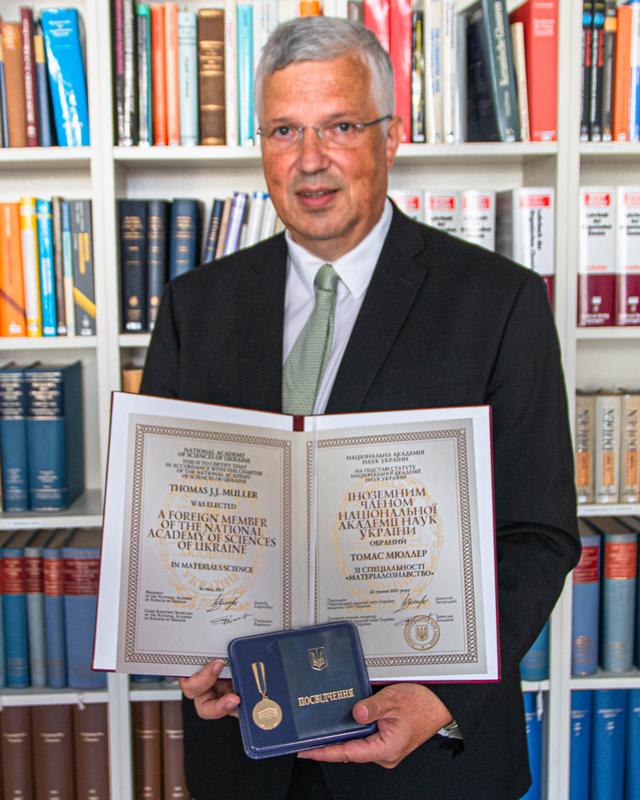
column 266, row 714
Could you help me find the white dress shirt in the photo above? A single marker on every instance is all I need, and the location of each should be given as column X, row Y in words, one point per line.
column 354, row 270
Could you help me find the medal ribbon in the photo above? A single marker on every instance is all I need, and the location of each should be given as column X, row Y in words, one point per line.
column 260, row 678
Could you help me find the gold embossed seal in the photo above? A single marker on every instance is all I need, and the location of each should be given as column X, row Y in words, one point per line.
column 266, row 714
column 421, row 632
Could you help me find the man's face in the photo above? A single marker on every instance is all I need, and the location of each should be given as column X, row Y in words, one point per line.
column 329, row 198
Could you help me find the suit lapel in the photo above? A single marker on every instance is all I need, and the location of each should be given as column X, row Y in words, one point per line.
column 394, row 285
column 260, row 329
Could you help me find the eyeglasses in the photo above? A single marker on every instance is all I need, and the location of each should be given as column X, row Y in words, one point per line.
column 343, row 134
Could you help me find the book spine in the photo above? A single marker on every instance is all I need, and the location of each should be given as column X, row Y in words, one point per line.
column 596, row 267
column 400, row 55
column 81, row 569
column 269, row 218
column 188, row 58
column 13, row 440
column 30, row 259
column 211, row 75
column 501, row 70
column 256, row 213
column 29, row 73
column 597, row 71
column 133, row 263
column 58, row 265
column 157, row 211
column 35, row 615
column 635, row 72
column 478, row 224
column 174, row 784
column 587, row 54
column 47, row 268
column 90, row 727
column 533, row 725
column 4, row 111
column 449, row 71
column 622, row 75
column 13, row 321
column 224, row 224
column 535, row 665
column 172, row 72
column 237, row 217
column 245, row 73
column 581, row 720
column 158, row 75
column 608, row 743
column 14, row 82
column 517, row 44
column 633, row 746
column 410, row 203
column 231, row 72
column 129, row 93
column 67, row 270
column 376, row 19
column 433, row 69
column 84, row 297
column 213, row 231
column 607, row 477
column 586, row 608
column 610, row 29
column 56, row 661
column 630, row 449
column 14, row 612
column 118, row 70
column 147, row 748
column 184, row 236
column 442, row 210
column 53, row 751
column 627, row 305
column 17, row 753
column 619, row 578
column 66, row 75
column 143, row 50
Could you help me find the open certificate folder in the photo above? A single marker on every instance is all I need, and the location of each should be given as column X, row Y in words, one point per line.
column 221, row 522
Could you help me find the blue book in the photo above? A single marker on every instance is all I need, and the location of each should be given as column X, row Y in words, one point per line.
column 13, row 439
column 188, row 71
column 633, row 525
column 237, row 218
column 14, row 610
column 156, row 225
column 211, row 242
column 45, row 131
column 535, row 665
column 633, row 746
column 533, row 722
column 55, row 658
column 184, row 236
column 81, row 568
column 4, row 538
column 608, row 744
column 586, row 604
column 245, row 73
column 580, row 768
column 47, row 268
column 66, row 75
column 54, row 435
column 35, row 607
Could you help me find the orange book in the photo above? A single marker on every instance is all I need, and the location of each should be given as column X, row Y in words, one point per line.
column 622, row 75
column 30, row 265
column 13, row 321
column 158, row 75
column 14, row 81
column 172, row 72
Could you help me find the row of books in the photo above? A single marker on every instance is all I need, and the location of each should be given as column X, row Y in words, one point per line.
column 158, row 750
column 605, row 743
column 59, row 751
column 43, row 90
column 609, row 257
column 607, row 447
column 41, row 436
column 609, row 109
column 46, row 268
column 605, row 626
column 161, row 239
column 534, row 724
column 48, row 607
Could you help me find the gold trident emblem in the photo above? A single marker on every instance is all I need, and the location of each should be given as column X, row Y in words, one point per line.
column 422, row 633
column 318, row 658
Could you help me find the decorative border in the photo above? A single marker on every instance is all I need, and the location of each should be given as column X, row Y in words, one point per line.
column 143, row 430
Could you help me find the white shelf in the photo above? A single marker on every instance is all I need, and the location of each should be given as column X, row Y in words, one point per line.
column 86, row 512
column 624, row 333
column 51, row 697
column 613, row 510
column 47, row 342
column 610, row 150
column 201, row 154
column 154, row 691
column 134, row 339
column 608, row 680
column 37, row 158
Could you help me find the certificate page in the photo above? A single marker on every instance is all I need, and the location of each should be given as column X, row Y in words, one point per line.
column 402, row 540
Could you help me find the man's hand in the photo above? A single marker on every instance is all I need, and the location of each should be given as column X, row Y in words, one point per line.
column 407, row 715
column 212, row 697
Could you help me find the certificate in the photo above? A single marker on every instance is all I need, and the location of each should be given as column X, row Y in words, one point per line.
column 223, row 522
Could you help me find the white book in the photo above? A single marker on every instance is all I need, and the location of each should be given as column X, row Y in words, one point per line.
column 460, row 96
column 265, row 21
column 230, row 73
column 442, row 210
column 409, row 202
column 268, row 226
column 30, row 265
column 597, row 250
column 608, row 414
column 449, row 70
column 525, row 227
column 628, row 231
column 254, row 225
column 479, row 217
column 188, row 72
column 520, row 64
column 433, row 69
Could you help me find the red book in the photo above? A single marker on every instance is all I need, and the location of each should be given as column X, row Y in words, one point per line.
column 158, row 75
column 596, row 266
column 376, row 18
column 628, row 257
column 29, row 71
column 172, row 72
column 400, row 54
column 540, row 21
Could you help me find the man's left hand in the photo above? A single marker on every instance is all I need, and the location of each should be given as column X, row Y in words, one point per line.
column 407, row 715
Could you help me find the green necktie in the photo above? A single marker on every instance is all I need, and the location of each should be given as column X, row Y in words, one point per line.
column 303, row 370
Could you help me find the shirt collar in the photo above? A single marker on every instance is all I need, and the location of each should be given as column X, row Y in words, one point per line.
column 355, row 268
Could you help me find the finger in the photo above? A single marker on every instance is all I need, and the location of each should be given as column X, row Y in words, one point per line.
column 210, row 706
column 375, row 707
column 203, row 680
column 356, row 751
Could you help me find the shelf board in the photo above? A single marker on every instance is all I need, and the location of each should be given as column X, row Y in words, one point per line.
column 592, row 151
column 51, row 697
column 50, row 157
column 608, row 680
column 86, row 512
column 48, row 343
column 134, row 339
column 613, row 510
column 620, row 333
column 154, row 691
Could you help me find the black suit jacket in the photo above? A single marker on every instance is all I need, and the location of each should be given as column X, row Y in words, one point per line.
column 443, row 323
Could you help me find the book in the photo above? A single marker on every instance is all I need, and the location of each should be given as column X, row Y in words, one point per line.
column 213, row 231
column 29, row 75
column 47, row 268
column 433, row 69
column 254, row 223
column 224, row 224
column 4, row 112
column 91, row 748
column 607, row 473
column 587, row 72
column 156, row 251
column 66, row 75
column 237, row 217
column 13, row 321
column 608, row 744
column 147, row 748
column 597, row 71
column 58, row 265
column 244, row 21
column 53, row 589
column 633, row 524
column 14, row 610
column 633, row 131
column 172, row 72
column 14, row 83
column 231, row 73
column 53, row 756
column 596, row 265
column 67, row 268
column 418, row 79
column 184, row 235
column 30, row 265
column 158, row 74
column 450, row 76
column 188, row 76
column 410, row 203
column 45, row 130
column 585, row 446
column 400, row 53
column 610, row 31
column 143, row 66
column 622, row 73
column 14, row 457
column 132, row 216
column 376, row 18
column 627, row 277
column 173, row 779
column 131, row 379
column 585, row 614
column 407, row 651
column 4, row 538
column 533, row 725
column 17, row 752
column 54, row 435
column 580, row 755
column 478, row 217
column 443, row 209
column 535, row 664
column 211, row 75
column 520, row 66
column 80, row 567
column 630, row 449
column 84, row 297
column 633, row 745
column 124, row 44
column 35, row 607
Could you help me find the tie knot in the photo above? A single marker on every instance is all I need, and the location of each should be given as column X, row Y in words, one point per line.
column 326, row 279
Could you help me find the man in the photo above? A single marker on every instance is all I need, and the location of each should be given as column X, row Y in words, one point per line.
column 411, row 318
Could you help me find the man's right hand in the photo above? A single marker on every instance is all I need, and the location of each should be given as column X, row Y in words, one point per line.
column 212, row 697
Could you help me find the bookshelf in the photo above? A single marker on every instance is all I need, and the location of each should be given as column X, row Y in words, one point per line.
column 105, row 173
